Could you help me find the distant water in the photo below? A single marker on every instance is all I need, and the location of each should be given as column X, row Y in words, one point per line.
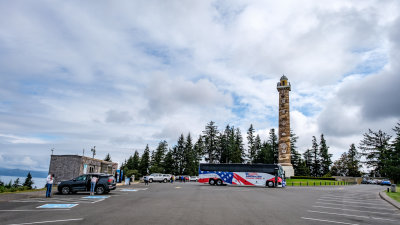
column 38, row 182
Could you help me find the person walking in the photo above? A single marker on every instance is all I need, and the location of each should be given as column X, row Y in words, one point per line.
column 49, row 184
column 146, row 180
column 93, row 182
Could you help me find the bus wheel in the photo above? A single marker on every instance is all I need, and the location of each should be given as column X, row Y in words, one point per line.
column 270, row 184
column 212, row 182
column 219, row 182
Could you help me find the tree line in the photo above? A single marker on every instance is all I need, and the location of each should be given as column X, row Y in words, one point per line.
column 227, row 146
column 17, row 185
column 379, row 152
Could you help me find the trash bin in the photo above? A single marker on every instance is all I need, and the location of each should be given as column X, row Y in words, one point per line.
column 393, row 188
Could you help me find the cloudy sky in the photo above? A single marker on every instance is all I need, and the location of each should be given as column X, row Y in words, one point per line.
column 122, row 74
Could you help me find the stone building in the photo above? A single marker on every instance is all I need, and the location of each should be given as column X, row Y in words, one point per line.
column 66, row 167
column 284, row 153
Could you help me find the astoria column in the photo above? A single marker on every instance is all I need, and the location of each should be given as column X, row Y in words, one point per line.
column 284, row 127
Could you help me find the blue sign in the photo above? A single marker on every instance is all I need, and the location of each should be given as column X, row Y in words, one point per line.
column 57, row 206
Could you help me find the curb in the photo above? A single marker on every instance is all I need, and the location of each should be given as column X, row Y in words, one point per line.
column 384, row 196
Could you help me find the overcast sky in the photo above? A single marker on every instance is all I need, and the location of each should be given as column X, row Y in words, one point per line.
column 122, row 74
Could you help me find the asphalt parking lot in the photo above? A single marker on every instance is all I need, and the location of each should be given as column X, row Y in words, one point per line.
column 193, row 203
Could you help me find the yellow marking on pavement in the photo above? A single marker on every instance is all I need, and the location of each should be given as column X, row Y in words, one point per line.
column 177, row 187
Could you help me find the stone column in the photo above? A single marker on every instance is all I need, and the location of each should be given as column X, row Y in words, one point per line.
column 284, row 127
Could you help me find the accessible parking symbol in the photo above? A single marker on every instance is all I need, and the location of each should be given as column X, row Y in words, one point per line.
column 57, row 206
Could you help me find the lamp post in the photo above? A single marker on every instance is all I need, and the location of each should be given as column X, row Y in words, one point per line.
column 93, row 151
column 52, row 150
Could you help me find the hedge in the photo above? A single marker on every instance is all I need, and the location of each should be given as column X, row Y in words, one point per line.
column 312, row 178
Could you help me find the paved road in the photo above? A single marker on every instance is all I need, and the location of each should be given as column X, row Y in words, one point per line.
column 192, row 203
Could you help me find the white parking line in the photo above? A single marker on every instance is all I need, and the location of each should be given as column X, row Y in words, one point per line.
column 353, row 202
column 358, row 206
column 329, row 221
column 355, row 199
column 343, row 214
column 355, row 210
column 50, row 221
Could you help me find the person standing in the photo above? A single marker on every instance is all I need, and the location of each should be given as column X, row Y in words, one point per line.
column 146, row 180
column 49, row 184
column 93, row 182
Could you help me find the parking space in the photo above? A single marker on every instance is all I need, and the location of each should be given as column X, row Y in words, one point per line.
column 356, row 207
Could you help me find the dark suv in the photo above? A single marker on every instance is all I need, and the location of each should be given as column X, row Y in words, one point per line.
column 105, row 184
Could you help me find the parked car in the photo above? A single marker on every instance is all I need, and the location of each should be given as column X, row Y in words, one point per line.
column 158, row 177
column 386, row 182
column 105, row 184
column 194, row 178
column 364, row 182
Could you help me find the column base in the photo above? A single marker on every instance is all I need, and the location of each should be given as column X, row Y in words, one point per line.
column 289, row 171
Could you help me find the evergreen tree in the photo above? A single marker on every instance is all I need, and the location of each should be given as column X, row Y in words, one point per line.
column 16, row 183
column 353, row 162
column 223, row 140
column 273, row 142
column 135, row 161
column 179, row 154
column 198, row 150
column 108, row 158
column 238, row 151
column 375, row 147
column 257, row 147
column 176, row 160
column 316, row 162
column 392, row 159
column 28, row 181
column 340, row 166
column 189, row 157
column 168, row 163
column 302, row 169
column 266, row 155
column 251, row 143
column 158, row 156
column 308, row 160
column 211, row 143
column 324, row 156
column 145, row 162
column 295, row 156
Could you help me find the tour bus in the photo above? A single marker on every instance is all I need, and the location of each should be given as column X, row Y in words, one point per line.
column 242, row 174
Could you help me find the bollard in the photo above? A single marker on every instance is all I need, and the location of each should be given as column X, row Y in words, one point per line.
column 320, row 183
column 300, row 183
column 388, row 190
column 307, row 183
column 314, row 183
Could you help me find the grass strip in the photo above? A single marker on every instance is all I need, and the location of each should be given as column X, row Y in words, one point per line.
column 395, row 196
column 312, row 182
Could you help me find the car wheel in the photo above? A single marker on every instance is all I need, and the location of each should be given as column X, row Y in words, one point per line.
column 212, row 182
column 100, row 190
column 165, row 180
column 219, row 182
column 150, row 180
column 65, row 190
column 270, row 184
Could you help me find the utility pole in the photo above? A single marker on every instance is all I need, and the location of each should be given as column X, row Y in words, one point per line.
column 83, row 152
column 94, row 151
